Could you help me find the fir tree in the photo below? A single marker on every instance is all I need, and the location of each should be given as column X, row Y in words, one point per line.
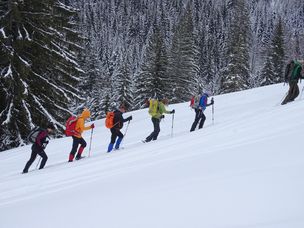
column 273, row 70
column 236, row 75
column 123, row 86
column 38, row 70
column 152, row 80
column 183, row 66
column 93, row 82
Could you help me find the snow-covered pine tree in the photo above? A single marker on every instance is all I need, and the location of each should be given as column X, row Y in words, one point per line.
column 267, row 73
column 93, row 82
column 123, row 84
column 236, row 75
column 39, row 69
column 278, row 52
column 210, row 47
column 183, row 66
column 273, row 70
column 152, row 79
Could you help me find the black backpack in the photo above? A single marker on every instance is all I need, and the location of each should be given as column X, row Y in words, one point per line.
column 33, row 134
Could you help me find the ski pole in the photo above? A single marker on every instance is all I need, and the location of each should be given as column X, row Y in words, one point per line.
column 285, row 95
column 127, row 128
column 172, row 125
column 125, row 132
column 302, row 92
column 212, row 111
column 213, row 114
column 90, row 142
column 38, row 162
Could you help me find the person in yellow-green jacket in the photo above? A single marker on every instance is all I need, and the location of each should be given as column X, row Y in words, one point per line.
column 157, row 110
column 77, row 137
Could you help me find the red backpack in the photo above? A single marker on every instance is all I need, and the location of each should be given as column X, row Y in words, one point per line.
column 70, row 126
column 192, row 101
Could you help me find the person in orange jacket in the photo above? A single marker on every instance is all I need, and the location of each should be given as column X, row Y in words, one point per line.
column 77, row 138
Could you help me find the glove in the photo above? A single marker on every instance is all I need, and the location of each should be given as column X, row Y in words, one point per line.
column 162, row 116
column 212, row 101
column 129, row 118
column 173, row 111
column 92, row 126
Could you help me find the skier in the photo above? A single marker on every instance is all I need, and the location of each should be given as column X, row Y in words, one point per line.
column 117, row 125
column 292, row 76
column 199, row 110
column 77, row 138
column 156, row 110
column 38, row 147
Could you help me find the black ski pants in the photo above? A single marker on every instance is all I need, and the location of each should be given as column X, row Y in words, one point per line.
column 76, row 142
column 36, row 150
column 154, row 134
column 199, row 117
column 293, row 92
column 115, row 132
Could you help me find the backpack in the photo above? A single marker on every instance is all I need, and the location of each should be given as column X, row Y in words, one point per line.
column 294, row 71
column 153, row 107
column 33, row 134
column 70, row 126
column 194, row 102
column 297, row 69
column 109, row 122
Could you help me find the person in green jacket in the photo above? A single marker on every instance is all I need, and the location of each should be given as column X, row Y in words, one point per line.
column 292, row 76
column 157, row 110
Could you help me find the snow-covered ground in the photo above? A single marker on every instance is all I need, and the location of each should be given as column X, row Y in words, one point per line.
column 244, row 171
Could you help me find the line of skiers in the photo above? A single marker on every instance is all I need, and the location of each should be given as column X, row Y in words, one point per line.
column 114, row 121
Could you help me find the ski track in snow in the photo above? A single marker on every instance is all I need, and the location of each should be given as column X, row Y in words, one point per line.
column 244, row 171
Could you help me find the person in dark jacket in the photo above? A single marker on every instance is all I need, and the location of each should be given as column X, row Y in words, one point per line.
column 117, row 125
column 39, row 146
column 292, row 76
column 199, row 110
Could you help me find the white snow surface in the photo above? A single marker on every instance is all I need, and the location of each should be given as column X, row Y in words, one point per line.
column 244, row 171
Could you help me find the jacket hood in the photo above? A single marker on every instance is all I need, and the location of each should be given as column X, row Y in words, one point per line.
column 85, row 114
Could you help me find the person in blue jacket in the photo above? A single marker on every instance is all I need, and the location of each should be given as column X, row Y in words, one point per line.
column 199, row 110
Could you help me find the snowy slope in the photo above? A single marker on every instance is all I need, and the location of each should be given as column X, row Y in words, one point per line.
column 246, row 170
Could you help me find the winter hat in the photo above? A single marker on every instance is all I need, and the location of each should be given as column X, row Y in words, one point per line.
column 51, row 126
column 86, row 113
column 165, row 101
column 123, row 106
column 160, row 97
column 208, row 93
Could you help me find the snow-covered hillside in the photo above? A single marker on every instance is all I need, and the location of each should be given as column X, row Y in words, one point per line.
column 245, row 170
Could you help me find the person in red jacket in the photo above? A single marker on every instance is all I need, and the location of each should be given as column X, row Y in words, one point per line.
column 39, row 146
column 77, row 137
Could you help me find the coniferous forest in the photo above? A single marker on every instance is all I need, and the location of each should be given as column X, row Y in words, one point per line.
column 57, row 56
